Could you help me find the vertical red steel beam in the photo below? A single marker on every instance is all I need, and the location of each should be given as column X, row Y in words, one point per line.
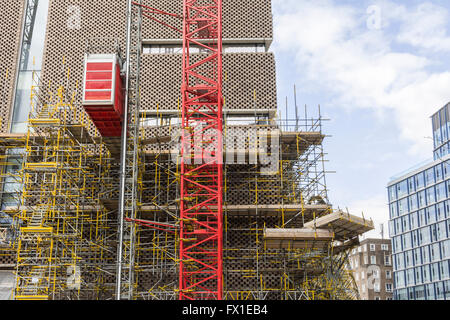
column 200, row 275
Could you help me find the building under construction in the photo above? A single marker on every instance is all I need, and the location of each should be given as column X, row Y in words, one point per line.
column 144, row 157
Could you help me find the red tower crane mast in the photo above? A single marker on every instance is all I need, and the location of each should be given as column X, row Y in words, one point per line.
column 201, row 220
column 202, row 159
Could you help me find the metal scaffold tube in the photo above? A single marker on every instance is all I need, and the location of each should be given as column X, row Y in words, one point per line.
column 128, row 158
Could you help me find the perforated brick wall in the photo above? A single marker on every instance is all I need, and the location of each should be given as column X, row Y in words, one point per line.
column 245, row 75
column 241, row 19
column 10, row 26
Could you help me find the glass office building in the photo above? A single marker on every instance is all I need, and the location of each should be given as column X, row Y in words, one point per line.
column 419, row 226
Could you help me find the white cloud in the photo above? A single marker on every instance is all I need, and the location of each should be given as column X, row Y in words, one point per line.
column 426, row 27
column 362, row 68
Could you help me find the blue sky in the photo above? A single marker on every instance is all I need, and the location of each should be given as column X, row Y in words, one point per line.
column 379, row 70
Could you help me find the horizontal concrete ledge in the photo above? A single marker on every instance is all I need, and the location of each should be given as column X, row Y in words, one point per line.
column 298, row 238
column 344, row 225
column 268, row 210
column 241, row 112
column 225, row 41
column 298, row 234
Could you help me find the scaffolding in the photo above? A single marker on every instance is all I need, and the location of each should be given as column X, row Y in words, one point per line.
column 63, row 247
column 288, row 196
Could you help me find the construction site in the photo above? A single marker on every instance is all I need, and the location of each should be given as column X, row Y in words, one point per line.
column 144, row 157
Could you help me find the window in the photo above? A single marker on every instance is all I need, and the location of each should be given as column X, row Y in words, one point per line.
column 420, row 181
column 422, row 220
column 410, row 277
column 366, row 259
column 421, row 199
column 31, row 59
column 413, row 220
column 377, row 298
column 434, row 272
column 393, row 210
column 430, row 292
column 424, row 235
column 403, row 206
column 430, row 195
column 415, row 239
column 445, row 249
column 398, row 226
column 373, row 259
column 245, row 48
column 438, row 171
column 425, row 254
column 405, row 223
column 441, row 192
column 441, row 232
column 11, row 184
column 402, row 294
column 411, row 293
column 399, row 279
column 397, row 244
column 362, row 275
column 440, row 211
column 426, row 273
column 417, row 256
column 435, row 252
column 411, row 185
column 165, row 49
column 392, row 193
column 418, row 272
column 385, row 247
column 388, row 274
column 402, row 188
column 400, row 261
column 391, row 228
column 429, row 176
column 409, row 262
column 389, row 287
column 446, row 166
column 440, row 290
column 413, row 202
column 444, row 269
column 431, row 214
column 407, row 241
column 387, row 260
column 372, row 247
column 420, row 292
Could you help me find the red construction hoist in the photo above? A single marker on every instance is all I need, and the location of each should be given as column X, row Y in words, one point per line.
column 200, row 272
column 103, row 98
